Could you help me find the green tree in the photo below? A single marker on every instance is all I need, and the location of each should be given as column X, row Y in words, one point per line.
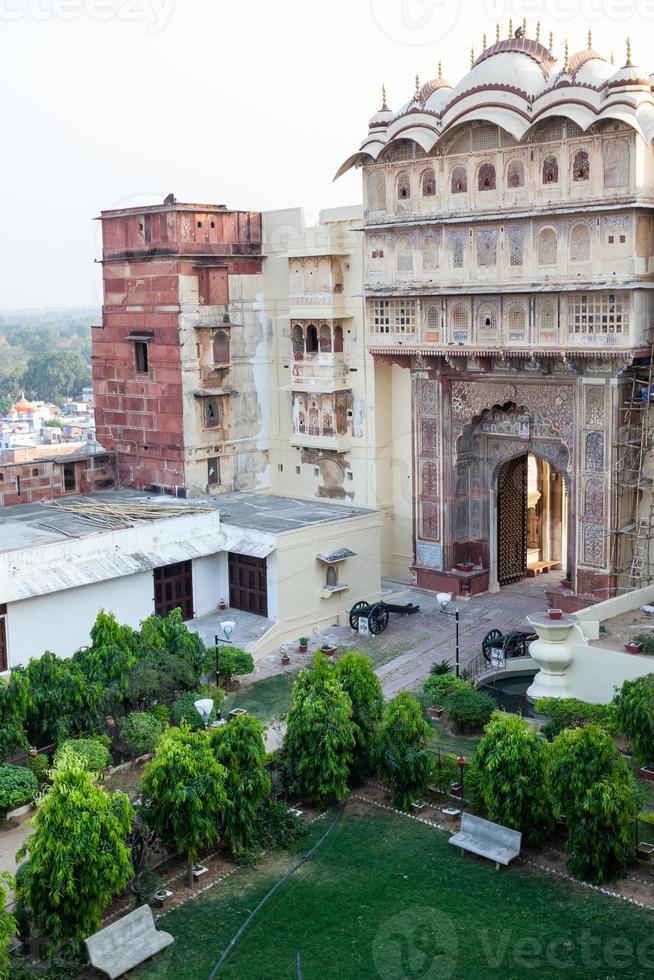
column 232, row 662
column 141, row 731
column 634, row 710
column 404, row 760
column 597, row 795
column 113, row 652
column 7, row 927
column 14, row 704
column 173, row 637
column 239, row 747
column 56, row 375
column 185, row 787
column 358, row 678
column 92, row 753
column 319, row 740
column 77, row 857
column 511, row 767
column 62, row 700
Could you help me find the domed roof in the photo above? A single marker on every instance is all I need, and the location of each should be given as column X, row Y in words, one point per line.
column 384, row 115
column 628, row 76
column 23, row 406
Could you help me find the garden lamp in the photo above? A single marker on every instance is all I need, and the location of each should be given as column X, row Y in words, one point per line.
column 204, row 707
column 444, row 599
column 228, row 629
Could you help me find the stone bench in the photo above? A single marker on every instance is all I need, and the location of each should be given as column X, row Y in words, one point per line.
column 488, row 839
column 541, row 567
column 126, row 943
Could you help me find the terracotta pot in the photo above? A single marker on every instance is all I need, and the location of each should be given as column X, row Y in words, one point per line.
column 435, row 712
column 566, row 583
column 647, row 773
column 555, row 613
column 222, row 606
column 303, row 647
column 464, row 566
column 286, row 661
column 633, row 647
column 328, row 651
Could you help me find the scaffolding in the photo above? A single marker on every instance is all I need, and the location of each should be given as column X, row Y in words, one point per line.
column 633, row 564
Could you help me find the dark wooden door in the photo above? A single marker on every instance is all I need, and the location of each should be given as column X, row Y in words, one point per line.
column 512, row 521
column 3, row 637
column 248, row 584
column 173, row 589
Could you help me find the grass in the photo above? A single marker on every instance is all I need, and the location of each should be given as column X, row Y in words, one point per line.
column 387, row 897
column 461, row 744
column 267, row 699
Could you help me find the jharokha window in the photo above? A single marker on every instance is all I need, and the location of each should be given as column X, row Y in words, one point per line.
column 325, row 339
column 312, row 339
column 515, row 175
column 403, row 187
column 221, row 347
column 581, row 166
column 486, row 177
column 338, row 339
column 298, row 340
column 550, row 170
column 459, row 181
column 428, row 183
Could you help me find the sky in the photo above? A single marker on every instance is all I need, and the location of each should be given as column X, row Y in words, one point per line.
column 249, row 103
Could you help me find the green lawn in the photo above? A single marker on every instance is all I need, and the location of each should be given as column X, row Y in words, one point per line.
column 267, row 699
column 387, row 897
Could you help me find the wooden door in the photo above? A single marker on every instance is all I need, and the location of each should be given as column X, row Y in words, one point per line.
column 512, row 521
column 173, row 589
column 248, row 584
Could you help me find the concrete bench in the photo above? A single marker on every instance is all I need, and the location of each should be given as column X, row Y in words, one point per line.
column 487, row 839
column 126, row 943
column 541, row 567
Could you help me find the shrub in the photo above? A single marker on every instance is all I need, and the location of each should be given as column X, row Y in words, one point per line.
column 14, row 702
column 161, row 712
column 276, row 827
column 40, row 766
column 141, row 731
column 232, row 662
column 468, row 710
column 438, row 687
column 185, row 711
column 319, row 740
column 239, row 747
column 597, row 795
column 441, row 668
column 404, row 760
column 92, row 753
column 17, row 787
column 571, row 713
column 356, row 674
column 634, row 711
column 511, row 763
column 647, row 639
column 7, row 927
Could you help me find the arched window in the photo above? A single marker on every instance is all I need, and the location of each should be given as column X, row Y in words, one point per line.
column 550, row 170
column 338, row 339
column 377, row 191
column 547, row 247
column 298, row 339
column 430, row 253
column 515, row 174
column 486, row 177
column 616, row 163
column 516, row 321
column 332, row 576
column 460, row 318
column 487, row 321
column 459, row 180
column 312, row 339
column 580, row 244
column 404, row 255
column 433, row 322
column 325, row 339
column 581, row 166
column 221, row 347
column 403, row 187
column 428, row 183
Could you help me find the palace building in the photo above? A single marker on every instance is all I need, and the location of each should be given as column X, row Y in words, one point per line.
column 508, row 276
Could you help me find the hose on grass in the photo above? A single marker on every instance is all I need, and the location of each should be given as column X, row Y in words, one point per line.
column 278, row 884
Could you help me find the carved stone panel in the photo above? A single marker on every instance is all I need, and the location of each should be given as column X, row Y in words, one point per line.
column 593, row 544
column 594, row 500
column 595, row 405
column 595, row 451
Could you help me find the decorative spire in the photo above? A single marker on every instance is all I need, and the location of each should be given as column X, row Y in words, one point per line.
column 566, row 54
column 472, row 57
column 524, row 26
column 484, row 44
column 384, row 107
column 538, row 30
column 590, row 40
column 612, row 58
column 510, row 26
column 629, row 61
column 440, row 70
column 497, row 32
column 551, row 42
column 416, row 94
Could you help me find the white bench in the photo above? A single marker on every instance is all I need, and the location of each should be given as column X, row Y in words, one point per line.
column 126, row 943
column 487, row 839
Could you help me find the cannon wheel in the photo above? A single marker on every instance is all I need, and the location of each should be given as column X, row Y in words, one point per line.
column 378, row 619
column 493, row 635
column 355, row 612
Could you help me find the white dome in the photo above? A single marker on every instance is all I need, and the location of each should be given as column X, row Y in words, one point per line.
column 595, row 71
column 506, row 69
column 628, row 76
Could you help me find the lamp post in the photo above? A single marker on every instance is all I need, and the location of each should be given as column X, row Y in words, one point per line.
column 462, row 763
column 444, row 599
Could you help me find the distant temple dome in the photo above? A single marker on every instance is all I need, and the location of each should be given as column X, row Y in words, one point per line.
column 23, row 407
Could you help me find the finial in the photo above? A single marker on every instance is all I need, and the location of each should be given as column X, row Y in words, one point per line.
column 551, row 41
column 497, row 32
column 524, row 26
column 417, row 91
column 472, row 57
column 612, row 58
column 484, row 45
column 510, row 26
column 440, row 69
column 384, row 103
column 566, row 53
column 538, row 30
column 590, row 40
column 629, row 63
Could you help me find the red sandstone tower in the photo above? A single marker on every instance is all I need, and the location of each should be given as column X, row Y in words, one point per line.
column 181, row 315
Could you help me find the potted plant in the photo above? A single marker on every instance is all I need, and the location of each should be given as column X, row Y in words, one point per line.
column 555, row 613
column 304, row 644
column 222, row 605
column 328, row 649
column 285, row 657
column 566, row 583
column 435, row 712
column 633, row 646
column 464, row 566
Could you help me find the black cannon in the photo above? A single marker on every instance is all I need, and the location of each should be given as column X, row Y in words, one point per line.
column 377, row 614
column 512, row 644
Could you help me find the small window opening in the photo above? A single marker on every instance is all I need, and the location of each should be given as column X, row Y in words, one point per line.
column 141, row 356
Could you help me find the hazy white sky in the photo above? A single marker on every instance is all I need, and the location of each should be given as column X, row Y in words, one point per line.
column 250, row 103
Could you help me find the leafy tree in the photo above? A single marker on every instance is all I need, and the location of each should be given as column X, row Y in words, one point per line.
column 319, row 740
column 112, row 654
column 597, row 795
column 572, row 713
column 14, row 703
column 239, row 747
column 511, row 766
column 56, row 375
column 77, row 858
column 634, row 710
column 185, row 787
column 468, row 710
column 7, row 927
column 17, row 786
column 62, row 700
column 157, row 677
column 438, row 687
column 232, row 662
column 358, row 678
column 141, row 731
column 173, row 637
column 91, row 753
column 404, row 760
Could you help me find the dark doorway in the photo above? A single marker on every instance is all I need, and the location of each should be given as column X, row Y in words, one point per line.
column 3, row 638
column 173, row 589
column 512, row 521
column 248, row 584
